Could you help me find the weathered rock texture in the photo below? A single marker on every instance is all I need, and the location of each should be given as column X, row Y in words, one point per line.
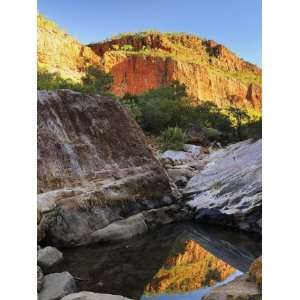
column 95, row 168
column 209, row 70
column 228, row 190
column 58, row 52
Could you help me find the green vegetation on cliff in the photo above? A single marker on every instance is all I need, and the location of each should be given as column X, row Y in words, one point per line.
column 185, row 48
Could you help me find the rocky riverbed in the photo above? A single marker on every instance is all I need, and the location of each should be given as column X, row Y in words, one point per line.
column 99, row 182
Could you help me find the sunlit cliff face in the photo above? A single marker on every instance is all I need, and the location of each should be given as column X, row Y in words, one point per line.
column 189, row 267
column 142, row 61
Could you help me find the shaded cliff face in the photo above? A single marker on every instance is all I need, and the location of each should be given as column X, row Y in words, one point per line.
column 58, row 52
column 94, row 168
column 209, row 70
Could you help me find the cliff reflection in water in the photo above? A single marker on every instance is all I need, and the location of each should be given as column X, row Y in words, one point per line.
column 179, row 261
column 188, row 267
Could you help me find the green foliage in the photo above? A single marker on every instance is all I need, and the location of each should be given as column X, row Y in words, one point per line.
column 129, row 101
column 172, row 138
column 53, row 81
column 239, row 117
column 212, row 134
column 159, row 111
column 161, row 108
column 127, row 48
column 95, row 81
column 116, row 47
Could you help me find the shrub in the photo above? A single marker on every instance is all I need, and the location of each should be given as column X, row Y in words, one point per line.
column 130, row 103
column 127, row 47
column 170, row 107
column 95, row 81
column 212, row 134
column 172, row 138
column 53, row 81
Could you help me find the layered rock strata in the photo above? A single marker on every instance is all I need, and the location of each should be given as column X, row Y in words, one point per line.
column 210, row 71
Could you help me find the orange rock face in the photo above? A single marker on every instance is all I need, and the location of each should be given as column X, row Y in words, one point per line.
column 143, row 61
column 59, row 52
column 209, row 70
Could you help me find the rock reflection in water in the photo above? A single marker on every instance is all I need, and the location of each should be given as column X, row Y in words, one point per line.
column 187, row 268
column 179, row 256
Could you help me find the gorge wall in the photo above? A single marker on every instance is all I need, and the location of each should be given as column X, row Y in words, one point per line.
column 210, row 71
column 97, row 178
column 58, row 52
column 147, row 60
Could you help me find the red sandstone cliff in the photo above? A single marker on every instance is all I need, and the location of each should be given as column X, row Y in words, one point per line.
column 209, row 70
column 147, row 60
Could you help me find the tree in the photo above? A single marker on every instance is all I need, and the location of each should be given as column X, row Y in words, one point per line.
column 239, row 117
column 96, row 81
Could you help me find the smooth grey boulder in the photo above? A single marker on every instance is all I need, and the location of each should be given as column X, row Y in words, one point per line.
column 228, row 191
column 194, row 150
column 40, row 278
column 177, row 157
column 57, row 285
column 93, row 296
column 188, row 154
column 123, row 229
column 48, row 257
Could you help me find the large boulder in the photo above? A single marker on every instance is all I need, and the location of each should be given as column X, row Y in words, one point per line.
column 93, row 296
column 48, row 257
column 94, row 168
column 228, row 191
column 57, row 285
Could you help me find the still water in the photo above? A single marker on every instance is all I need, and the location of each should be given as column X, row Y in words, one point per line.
column 178, row 261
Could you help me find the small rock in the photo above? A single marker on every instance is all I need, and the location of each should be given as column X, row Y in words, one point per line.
column 194, row 150
column 40, row 278
column 177, row 157
column 48, row 257
column 57, row 285
column 93, row 296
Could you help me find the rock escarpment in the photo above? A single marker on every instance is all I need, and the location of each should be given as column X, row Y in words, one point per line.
column 228, row 191
column 58, row 52
column 97, row 178
column 148, row 60
column 210, row 71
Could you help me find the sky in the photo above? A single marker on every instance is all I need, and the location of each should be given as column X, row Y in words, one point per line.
column 233, row 23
